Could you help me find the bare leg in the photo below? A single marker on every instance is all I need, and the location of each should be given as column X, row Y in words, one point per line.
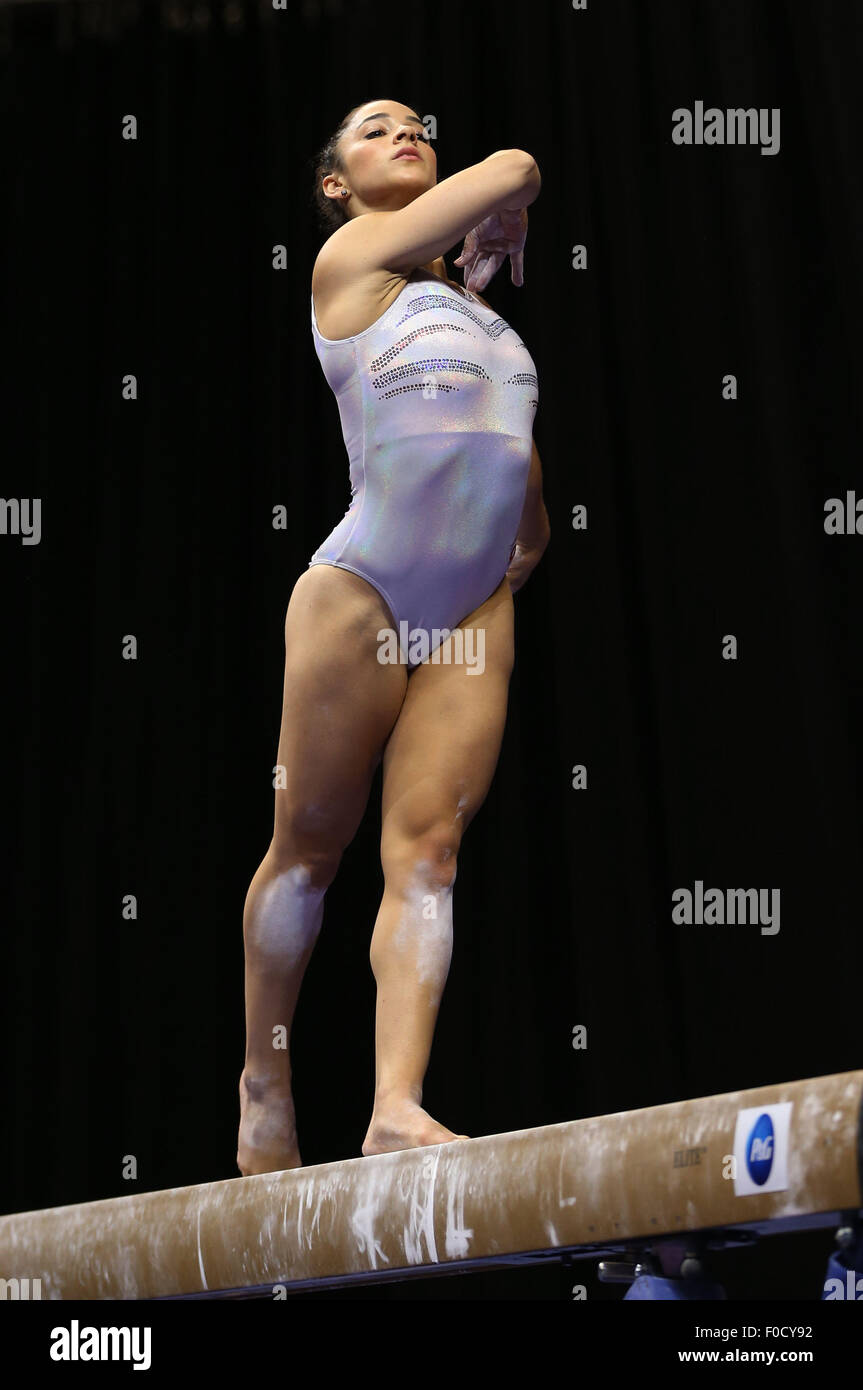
column 281, row 922
column 438, row 766
column 339, row 706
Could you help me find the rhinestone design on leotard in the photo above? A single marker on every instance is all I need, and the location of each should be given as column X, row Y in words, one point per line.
column 391, row 352
column 431, row 364
column 418, row 386
column 440, row 301
column 521, row 379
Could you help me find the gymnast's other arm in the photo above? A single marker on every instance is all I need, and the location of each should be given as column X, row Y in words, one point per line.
column 534, row 528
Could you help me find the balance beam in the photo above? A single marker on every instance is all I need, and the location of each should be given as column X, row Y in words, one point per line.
column 604, row 1184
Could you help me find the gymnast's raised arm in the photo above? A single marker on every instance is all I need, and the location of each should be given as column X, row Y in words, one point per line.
column 434, row 221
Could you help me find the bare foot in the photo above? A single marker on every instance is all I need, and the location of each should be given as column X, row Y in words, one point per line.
column 267, row 1141
column 400, row 1123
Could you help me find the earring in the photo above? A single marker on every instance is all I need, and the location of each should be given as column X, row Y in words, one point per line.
column 344, row 193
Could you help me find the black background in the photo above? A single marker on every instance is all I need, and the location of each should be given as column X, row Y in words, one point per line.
column 705, row 518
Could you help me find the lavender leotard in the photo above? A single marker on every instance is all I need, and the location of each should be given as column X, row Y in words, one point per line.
column 437, row 400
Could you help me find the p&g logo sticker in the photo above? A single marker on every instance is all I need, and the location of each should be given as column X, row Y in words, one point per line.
column 761, row 1149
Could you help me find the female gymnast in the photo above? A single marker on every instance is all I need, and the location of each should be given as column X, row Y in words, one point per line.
column 437, row 396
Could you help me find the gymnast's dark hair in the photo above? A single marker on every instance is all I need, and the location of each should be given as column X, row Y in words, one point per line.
column 330, row 212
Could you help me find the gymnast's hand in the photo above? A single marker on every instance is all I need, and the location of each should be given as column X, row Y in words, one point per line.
column 522, row 561
column 485, row 246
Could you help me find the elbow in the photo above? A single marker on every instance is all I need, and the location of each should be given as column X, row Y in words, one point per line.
column 526, row 181
column 529, row 171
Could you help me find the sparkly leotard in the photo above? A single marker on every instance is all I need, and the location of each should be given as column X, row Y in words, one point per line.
column 437, row 400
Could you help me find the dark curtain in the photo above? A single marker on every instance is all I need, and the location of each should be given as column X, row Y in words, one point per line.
column 705, row 518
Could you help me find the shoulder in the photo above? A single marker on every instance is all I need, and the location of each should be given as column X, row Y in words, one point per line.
column 350, row 289
column 349, row 250
column 330, row 260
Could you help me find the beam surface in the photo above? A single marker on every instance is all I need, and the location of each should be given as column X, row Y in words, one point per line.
column 590, row 1184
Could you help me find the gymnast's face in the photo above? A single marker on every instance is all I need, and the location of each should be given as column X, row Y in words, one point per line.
column 387, row 157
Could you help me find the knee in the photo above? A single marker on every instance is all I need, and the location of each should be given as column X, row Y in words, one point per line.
column 311, row 870
column 304, row 838
column 426, row 861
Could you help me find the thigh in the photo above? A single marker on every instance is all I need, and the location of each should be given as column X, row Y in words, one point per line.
column 339, row 705
column 440, row 758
